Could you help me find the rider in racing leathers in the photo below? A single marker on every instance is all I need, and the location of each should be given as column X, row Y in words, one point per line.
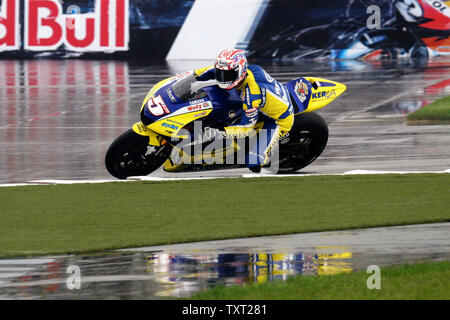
column 260, row 93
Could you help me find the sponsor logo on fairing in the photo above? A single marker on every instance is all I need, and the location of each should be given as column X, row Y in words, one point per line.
column 183, row 74
column 324, row 95
column 201, row 114
column 198, row 101
column 169, row 125
column 195, row 107
column 171, row 96
column 301, row 90
column 47, row 27
column 201, row 105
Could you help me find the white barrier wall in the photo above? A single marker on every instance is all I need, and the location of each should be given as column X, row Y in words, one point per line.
column 213, row 25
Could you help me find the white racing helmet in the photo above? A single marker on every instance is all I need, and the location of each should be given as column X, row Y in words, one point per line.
column 230, row 68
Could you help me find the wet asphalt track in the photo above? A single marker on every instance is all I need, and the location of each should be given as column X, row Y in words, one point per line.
column 57, row 118
column 180, row 270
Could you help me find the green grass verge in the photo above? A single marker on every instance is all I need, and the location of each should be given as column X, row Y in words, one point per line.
column 437, row 112
column 77, row 218
column 417, row 282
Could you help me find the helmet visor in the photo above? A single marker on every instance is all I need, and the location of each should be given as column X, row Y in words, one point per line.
column 226, row 75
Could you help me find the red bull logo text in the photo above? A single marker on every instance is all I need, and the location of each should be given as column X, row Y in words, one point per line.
column 47, row 27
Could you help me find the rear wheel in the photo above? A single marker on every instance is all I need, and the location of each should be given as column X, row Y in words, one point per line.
column 305, row 142
column 131, row 155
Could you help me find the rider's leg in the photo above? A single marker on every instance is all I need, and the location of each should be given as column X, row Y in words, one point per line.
column 266, row 139
column 261, row 143
column 285, row 125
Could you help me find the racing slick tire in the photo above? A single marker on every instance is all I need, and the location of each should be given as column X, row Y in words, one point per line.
column 129, row 155
column 304, row 143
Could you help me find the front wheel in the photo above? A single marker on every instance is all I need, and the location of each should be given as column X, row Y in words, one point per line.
column 305, row 142
column 131, row 155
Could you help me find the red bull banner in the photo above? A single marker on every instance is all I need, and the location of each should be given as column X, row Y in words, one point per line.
column 90, row 28
column 47, row 27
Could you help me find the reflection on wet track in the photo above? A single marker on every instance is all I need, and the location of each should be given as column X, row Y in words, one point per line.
column 159, row 275
column 57, row 112
column 181, row 270
column 181, row 275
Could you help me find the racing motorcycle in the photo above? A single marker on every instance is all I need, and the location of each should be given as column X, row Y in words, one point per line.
column 177, row 131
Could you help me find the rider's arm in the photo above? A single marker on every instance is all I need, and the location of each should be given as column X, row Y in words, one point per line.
column 204, row 74
column 253, row 101
column 245, row 127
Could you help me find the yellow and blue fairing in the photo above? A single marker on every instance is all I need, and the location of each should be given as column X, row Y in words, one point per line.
column 165, row 114
column 311, row 93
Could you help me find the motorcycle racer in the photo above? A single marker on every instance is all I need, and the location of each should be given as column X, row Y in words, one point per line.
column 260, row 94
column 183, row 120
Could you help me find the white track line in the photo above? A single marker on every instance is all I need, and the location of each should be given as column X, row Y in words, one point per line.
column 249, row 175
column 11, row 262
column 18, row 184
column 146, row 178
column 72, row 181
column 355, row 172
column 11, row 275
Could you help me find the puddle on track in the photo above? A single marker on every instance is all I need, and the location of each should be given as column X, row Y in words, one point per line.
column 181, row 270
